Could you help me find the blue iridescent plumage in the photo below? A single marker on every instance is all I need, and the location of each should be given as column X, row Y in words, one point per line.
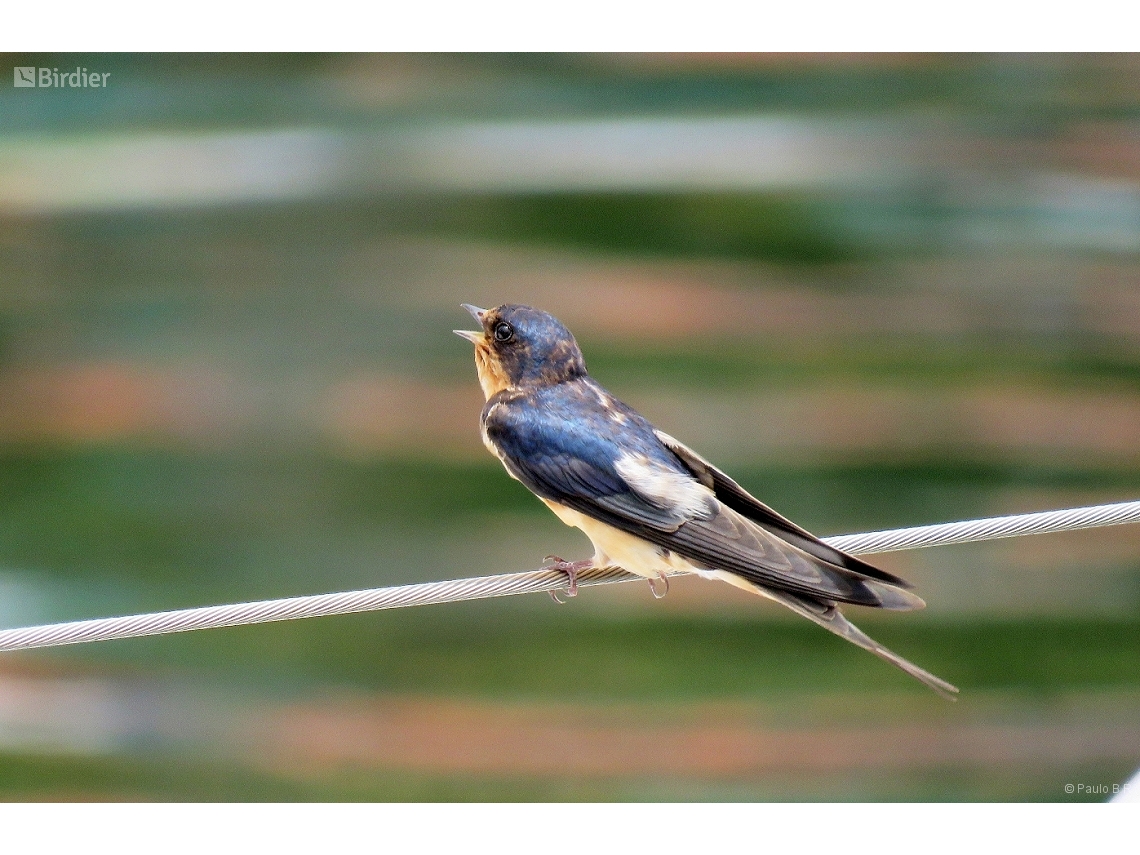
column 564, row 443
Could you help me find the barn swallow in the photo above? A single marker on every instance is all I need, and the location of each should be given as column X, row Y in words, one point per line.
column 649, row 503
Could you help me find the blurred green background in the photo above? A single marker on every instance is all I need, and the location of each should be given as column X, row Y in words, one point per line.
column 880, row 290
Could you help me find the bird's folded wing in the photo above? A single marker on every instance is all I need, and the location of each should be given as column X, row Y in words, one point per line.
column 662, row 502
column 734, row 496
column 729, row 541
column 591, row 486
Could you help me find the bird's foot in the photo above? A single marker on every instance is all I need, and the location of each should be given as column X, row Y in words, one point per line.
column 571, row 569
column 653, row 585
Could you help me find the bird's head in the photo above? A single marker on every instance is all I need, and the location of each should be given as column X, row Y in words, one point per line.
column 519, row 346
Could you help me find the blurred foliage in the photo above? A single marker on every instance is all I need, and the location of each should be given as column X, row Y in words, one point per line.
column 1017, row 92
column 165, row 777
column 174, row 515
column 781, row 229
column 478, row 649
column 901, row 359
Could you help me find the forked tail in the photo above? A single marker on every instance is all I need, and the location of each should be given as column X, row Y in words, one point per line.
column 830, row 618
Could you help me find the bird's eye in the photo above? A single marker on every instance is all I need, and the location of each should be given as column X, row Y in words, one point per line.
column 504, row 332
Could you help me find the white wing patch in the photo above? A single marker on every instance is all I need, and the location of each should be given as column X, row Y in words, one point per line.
column 665, row 487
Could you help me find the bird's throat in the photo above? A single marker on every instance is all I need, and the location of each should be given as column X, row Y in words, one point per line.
column 492, row 378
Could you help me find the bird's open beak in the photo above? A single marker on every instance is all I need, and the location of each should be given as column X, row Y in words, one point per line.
column 472, row 336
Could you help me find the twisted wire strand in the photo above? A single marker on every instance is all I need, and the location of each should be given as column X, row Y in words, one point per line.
column 990, row 528
column 528, row 582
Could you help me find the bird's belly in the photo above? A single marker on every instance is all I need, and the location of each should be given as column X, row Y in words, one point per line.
column 614, row 546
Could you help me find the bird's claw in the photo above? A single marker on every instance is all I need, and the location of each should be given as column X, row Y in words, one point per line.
column 653, row 587
column 571, row 569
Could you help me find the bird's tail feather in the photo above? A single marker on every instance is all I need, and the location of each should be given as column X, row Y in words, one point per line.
column 830, row 618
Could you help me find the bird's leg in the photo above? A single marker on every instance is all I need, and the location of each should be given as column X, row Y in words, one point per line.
column 571, row 569
column 653, row 587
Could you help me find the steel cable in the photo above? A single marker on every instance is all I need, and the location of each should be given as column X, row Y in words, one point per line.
column 528, row 582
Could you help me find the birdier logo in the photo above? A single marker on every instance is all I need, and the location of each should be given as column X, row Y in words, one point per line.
column 28, row 76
